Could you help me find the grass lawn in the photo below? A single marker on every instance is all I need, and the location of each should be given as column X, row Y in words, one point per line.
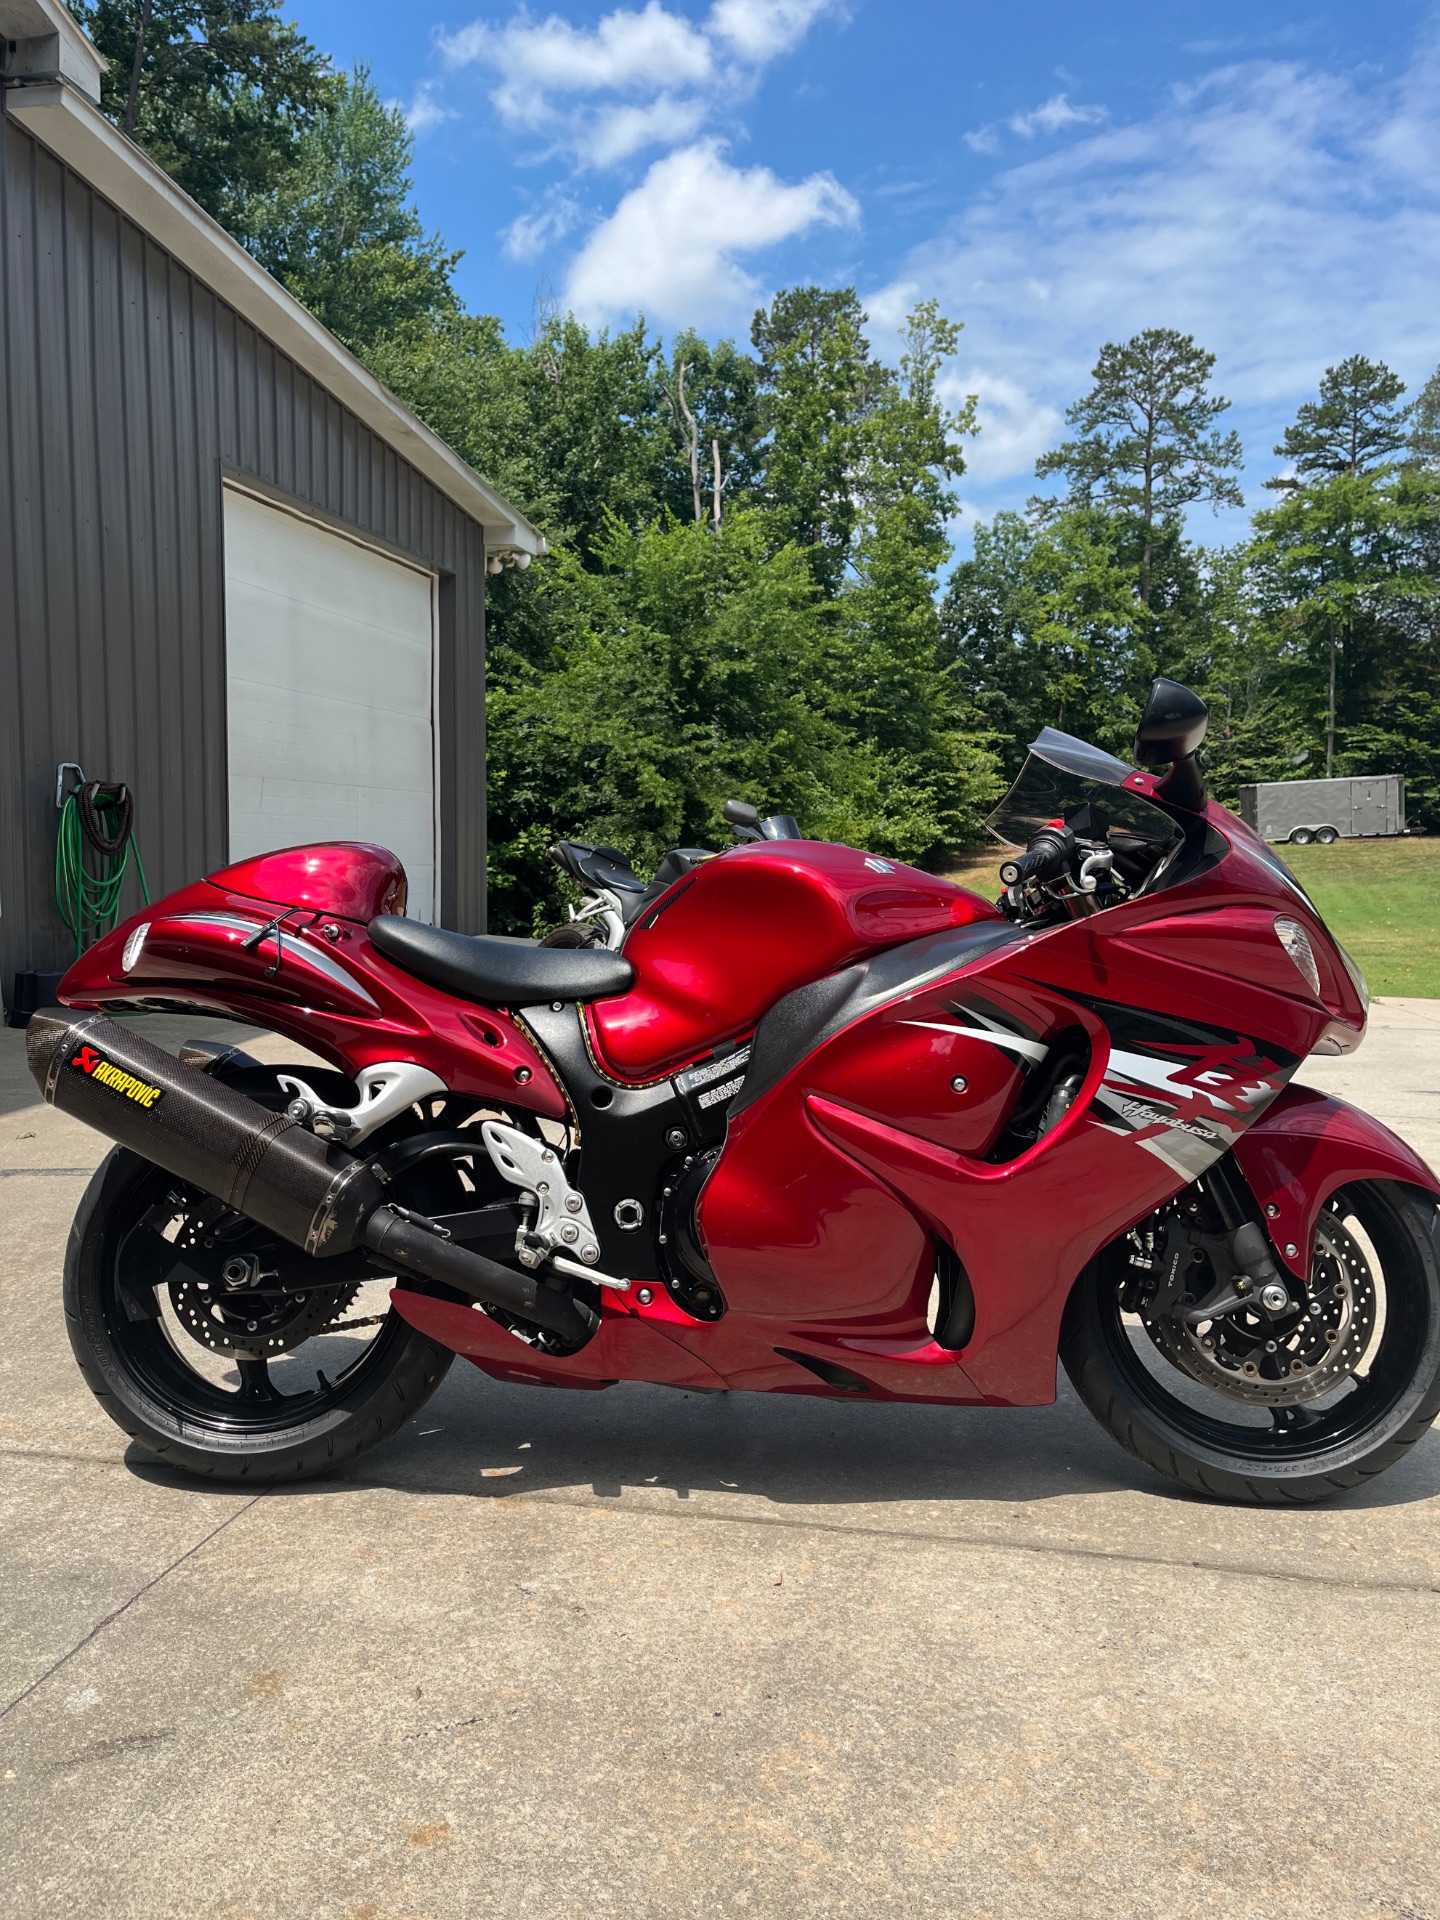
column 1380, row 897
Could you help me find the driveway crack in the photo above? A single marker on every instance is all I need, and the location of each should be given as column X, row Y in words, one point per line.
column 117, row 1613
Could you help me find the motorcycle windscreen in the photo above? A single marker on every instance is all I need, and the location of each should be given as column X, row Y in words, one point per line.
column 1069, row 780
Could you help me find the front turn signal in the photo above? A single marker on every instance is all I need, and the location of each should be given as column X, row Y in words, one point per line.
column 1296, row 942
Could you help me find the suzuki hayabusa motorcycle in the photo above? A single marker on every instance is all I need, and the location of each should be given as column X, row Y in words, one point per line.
column 824, row 1125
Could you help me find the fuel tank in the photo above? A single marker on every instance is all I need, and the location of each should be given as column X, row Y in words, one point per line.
column 729, row 939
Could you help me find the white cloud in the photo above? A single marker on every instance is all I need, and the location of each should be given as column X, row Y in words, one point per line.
column 424, row 112
column 758, row 30
column 1285, row 216
column 614, row 133
column 530, row 234
column 981, row 139
column 626, row 51
column 1015, row 426
column 639, row 77
column 671, row 248
column 1052, row 116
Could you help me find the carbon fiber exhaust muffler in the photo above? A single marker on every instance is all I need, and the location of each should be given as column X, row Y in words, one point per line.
column 265, row 1165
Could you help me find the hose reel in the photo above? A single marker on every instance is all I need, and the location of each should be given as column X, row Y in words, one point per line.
column 93, row 853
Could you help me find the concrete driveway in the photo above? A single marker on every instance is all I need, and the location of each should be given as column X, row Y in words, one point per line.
column 642, row 1653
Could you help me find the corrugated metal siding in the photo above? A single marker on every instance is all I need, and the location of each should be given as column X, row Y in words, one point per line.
column 127, row 391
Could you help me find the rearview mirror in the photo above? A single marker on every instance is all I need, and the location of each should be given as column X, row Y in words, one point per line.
column 1172, row 725
column 740, row 813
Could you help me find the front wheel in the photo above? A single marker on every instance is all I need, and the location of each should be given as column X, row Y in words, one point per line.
column 1274, row 1412
column 205, row 1339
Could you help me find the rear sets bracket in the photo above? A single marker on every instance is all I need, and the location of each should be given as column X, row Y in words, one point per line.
column 562, row 1231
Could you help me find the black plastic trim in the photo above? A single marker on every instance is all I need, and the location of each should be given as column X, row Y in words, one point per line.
column 813, row 1014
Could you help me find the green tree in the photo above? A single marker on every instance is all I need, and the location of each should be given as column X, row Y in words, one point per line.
column 1322, row 556
column 1042, row 624
column 1424, row 443
column 712, row 393
column 1148, row 445
column 1392, row 720
column 216, row 90
column 818, row 382
column 889, row 681
column 339, row 229
column 684, row 670
column 1355, row 425
column 1318, row 559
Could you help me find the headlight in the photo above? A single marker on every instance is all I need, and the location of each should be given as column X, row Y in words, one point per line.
column 1296, row 942
column 1357, row 978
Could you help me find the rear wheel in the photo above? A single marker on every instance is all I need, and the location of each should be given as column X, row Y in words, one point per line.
column 1275, row 1411
column 1326, row 836
column 575, row 933
column 204, row 1339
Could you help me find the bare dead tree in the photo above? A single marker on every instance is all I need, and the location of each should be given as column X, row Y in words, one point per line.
column 685, row 420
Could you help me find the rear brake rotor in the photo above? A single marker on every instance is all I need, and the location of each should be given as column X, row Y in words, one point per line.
column 1298, row 1357
column 254, row 1323
column 226, row 1292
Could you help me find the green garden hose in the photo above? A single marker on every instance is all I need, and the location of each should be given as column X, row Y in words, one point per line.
column 93, row 853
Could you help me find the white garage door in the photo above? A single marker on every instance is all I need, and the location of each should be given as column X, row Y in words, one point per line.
column 330, row 678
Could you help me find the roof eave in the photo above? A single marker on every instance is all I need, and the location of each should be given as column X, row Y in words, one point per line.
column 80, row 135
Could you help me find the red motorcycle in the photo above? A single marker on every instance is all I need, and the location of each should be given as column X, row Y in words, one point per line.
column 825, row 1125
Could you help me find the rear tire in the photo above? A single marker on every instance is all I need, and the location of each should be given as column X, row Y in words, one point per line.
column 1326, row 836
column 576, row 933
column 1195, row 1437
column 146, row 1382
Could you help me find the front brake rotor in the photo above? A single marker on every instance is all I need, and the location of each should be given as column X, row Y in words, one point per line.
column 1296, row 1357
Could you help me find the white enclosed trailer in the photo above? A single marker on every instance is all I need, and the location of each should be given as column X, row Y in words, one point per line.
column 1368, row 806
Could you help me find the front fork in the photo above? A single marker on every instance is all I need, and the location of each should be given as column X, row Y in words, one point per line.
column 1210, row 1232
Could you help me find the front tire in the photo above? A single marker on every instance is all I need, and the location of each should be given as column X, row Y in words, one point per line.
column 167, row 1388
column 1272, row 1454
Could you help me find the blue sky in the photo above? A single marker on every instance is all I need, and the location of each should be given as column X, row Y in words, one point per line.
column 1264, row 175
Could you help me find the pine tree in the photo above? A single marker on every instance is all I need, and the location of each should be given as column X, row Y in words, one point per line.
column 1148, row 445
column 1357, row 423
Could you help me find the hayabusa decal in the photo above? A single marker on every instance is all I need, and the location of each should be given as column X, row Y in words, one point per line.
column 1189, row 1104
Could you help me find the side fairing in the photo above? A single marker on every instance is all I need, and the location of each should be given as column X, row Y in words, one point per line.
column 988, row 1111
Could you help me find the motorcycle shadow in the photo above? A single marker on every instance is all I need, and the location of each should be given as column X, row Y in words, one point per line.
column 481, row 1439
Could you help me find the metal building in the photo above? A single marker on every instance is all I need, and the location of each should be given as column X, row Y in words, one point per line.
column 235, row 572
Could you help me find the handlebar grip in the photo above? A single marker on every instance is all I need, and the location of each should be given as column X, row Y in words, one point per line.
column 1046, row 858
column 1012, row 872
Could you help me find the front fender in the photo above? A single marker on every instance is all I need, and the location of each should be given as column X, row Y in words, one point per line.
column 1305, row 1146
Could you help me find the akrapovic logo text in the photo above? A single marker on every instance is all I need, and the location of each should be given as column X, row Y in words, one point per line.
column 88, row 1061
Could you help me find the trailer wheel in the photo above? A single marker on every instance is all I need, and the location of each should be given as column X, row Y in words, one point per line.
column 1302, row 836
column 1326, row 836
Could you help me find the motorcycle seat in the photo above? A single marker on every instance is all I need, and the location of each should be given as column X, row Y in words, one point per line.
column 500, row 973
column 597, row 866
